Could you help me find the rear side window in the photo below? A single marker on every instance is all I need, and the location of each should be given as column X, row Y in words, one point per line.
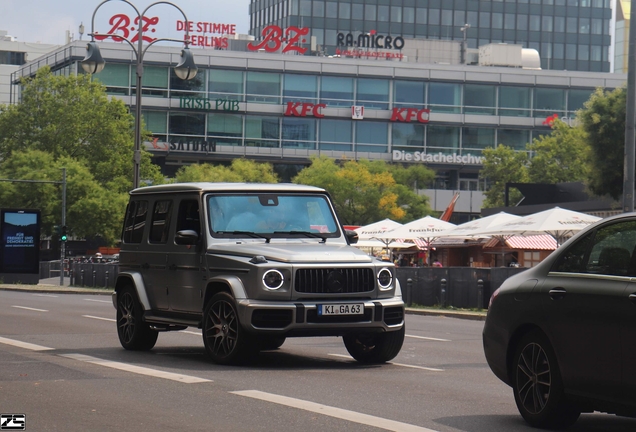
column 160, row 225
column 135, row 221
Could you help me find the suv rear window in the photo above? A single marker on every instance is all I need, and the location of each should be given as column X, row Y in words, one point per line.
column 135, row 221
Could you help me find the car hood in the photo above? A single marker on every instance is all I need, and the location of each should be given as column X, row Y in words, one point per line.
column 293, row 252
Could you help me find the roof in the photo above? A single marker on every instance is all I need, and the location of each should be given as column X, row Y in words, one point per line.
column 225, row 187
column 535, row 242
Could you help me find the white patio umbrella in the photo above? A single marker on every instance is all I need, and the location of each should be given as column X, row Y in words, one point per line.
column 559, row 223
column 467, row 230
column 425, row 229
column 372, row 231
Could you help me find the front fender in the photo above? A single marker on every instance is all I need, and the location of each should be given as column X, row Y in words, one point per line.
column 137, row 282
column 234, row 283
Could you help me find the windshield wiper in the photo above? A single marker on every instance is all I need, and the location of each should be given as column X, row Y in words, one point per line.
column 247, row 233
column 305, row 233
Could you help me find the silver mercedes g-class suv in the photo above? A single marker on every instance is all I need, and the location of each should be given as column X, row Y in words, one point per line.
column 250, row 265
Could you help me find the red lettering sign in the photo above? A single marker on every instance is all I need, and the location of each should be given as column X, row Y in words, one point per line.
column 121, row 26
column 273, row 39
column 302, row 109
column 407, row 115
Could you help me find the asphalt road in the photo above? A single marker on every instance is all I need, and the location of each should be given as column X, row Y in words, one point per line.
column 72, row 375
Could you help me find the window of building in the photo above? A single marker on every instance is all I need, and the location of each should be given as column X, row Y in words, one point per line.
column 336, row 91
column 383, row 13
column 549, row 101
column 369, row 12
column 345, row 10
column 480, row 99
column 408, row 15
column 331, row 9
column 444, row 97
column 509, row 21
column 225, row 84
column 477, row 138
column 372, row 136
column 262, row 131
column 497, row 20
column 373, row 93
column 559, row 24
column 13, row 58
column 447, row 17
column 299, row 133
column 357, row 11
column 227, row 129
column 396, row 14
column 442, row 138
column 584, row 52
column 156, row 122
column 336, row 135
column 116, row 77
column 409, row 93
column 597, row 26
column 319, row 8
column 194, row 87
column 300, row 88
column 546, row 23
column 516, row 139
column 154, row 81
column 421, row 15
column 305, row 8
column 531, row 258
column 572, row 25
column 515, row 101
column 186, row 123
column 522, row 22
column 577, row 98
column 407, row 136
column 263, row 87
column 433, row 17
column 535, row 23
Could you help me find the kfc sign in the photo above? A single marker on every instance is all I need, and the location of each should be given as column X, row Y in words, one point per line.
column 302, row 109
column 274, row 39
column 407, row 115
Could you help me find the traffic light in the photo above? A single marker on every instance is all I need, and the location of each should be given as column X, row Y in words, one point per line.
column 63, row 236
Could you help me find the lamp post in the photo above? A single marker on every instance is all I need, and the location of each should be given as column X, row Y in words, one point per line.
column 94, row 63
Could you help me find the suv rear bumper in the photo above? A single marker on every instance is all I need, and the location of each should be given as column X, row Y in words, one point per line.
column 302, row 318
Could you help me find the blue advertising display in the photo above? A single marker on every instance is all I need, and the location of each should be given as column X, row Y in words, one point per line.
column 20, row 241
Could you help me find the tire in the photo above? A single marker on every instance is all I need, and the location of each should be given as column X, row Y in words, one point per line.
column 225, row 340
column 374, row 347
column 537, row 385
column 134, row 334
column 269, row 343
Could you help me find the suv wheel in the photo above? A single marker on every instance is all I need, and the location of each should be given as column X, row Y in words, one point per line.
column 537, row 385
column 225, row 341
column 133, row 332
column 374, row 347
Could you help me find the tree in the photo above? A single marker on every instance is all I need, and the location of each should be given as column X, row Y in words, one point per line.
column 603, row 119
column 503, row 165
column 241, row 170
column 562, row 156
column 363, row 192
column 73, row 116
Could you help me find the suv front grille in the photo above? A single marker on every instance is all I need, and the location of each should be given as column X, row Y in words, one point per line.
column 334, row 280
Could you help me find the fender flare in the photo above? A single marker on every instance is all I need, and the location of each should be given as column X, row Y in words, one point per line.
column 138, row 285
column 234, row 283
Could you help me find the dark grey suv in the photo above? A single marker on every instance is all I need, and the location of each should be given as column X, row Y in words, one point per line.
column 251, row 264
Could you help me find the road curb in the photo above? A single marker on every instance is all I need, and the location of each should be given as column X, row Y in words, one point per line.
column 474, row 316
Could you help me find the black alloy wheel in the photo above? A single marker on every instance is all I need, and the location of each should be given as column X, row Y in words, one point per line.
column 537, row 385
column 134, row 333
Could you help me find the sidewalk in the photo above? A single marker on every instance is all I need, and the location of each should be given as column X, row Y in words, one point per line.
column 52, row 286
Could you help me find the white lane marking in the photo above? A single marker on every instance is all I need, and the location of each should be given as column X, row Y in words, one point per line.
column 330, row 411
column 190, row 332
column 187, row 379
column 100, row 301
column 429, row 338
column 395, row 364
column 24, row 345
column 99, row 318
column 45, row 295
column 28, row 308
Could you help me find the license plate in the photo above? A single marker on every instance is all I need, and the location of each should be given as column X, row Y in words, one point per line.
column 341, row 309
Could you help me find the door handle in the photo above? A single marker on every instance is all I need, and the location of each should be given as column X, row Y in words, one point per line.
column 557, row 293
column 632, row 297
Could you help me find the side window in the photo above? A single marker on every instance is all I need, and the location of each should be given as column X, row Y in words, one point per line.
column 135, row 221
column 188, row 218
column 573, row 260
column 612, row 251
column 160, row 225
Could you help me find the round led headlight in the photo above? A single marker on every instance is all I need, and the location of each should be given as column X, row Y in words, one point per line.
column 273, row 279
column 385, row 278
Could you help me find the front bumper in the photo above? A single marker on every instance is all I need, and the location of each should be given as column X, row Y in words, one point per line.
column 301, row 317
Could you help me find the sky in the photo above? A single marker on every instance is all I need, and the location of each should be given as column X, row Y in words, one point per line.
column 46, row 21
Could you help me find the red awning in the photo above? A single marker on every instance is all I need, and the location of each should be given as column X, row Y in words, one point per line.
column 537, row 242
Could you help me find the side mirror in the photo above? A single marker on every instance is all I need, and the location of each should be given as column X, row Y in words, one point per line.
column 352, row 236
column 186, row 237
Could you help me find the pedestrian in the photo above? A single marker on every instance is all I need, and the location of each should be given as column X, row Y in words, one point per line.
column 436, row 263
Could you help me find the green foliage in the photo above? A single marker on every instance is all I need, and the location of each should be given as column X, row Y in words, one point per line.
column 562, row 156
column 70, row 122
column 503, row 165
column 364, row 192
column 603, row 119
column 241, row 170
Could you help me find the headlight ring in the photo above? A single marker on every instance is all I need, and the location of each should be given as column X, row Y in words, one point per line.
column 273, row 279
column 385, row 279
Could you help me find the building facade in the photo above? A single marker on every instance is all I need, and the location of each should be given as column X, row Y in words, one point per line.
column 285, row 109
column 621, row 32
column 568, row 34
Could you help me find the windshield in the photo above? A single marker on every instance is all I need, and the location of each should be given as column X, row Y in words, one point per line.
column 271, row 215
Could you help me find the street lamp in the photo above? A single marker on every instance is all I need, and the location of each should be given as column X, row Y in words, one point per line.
column 94, row 63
